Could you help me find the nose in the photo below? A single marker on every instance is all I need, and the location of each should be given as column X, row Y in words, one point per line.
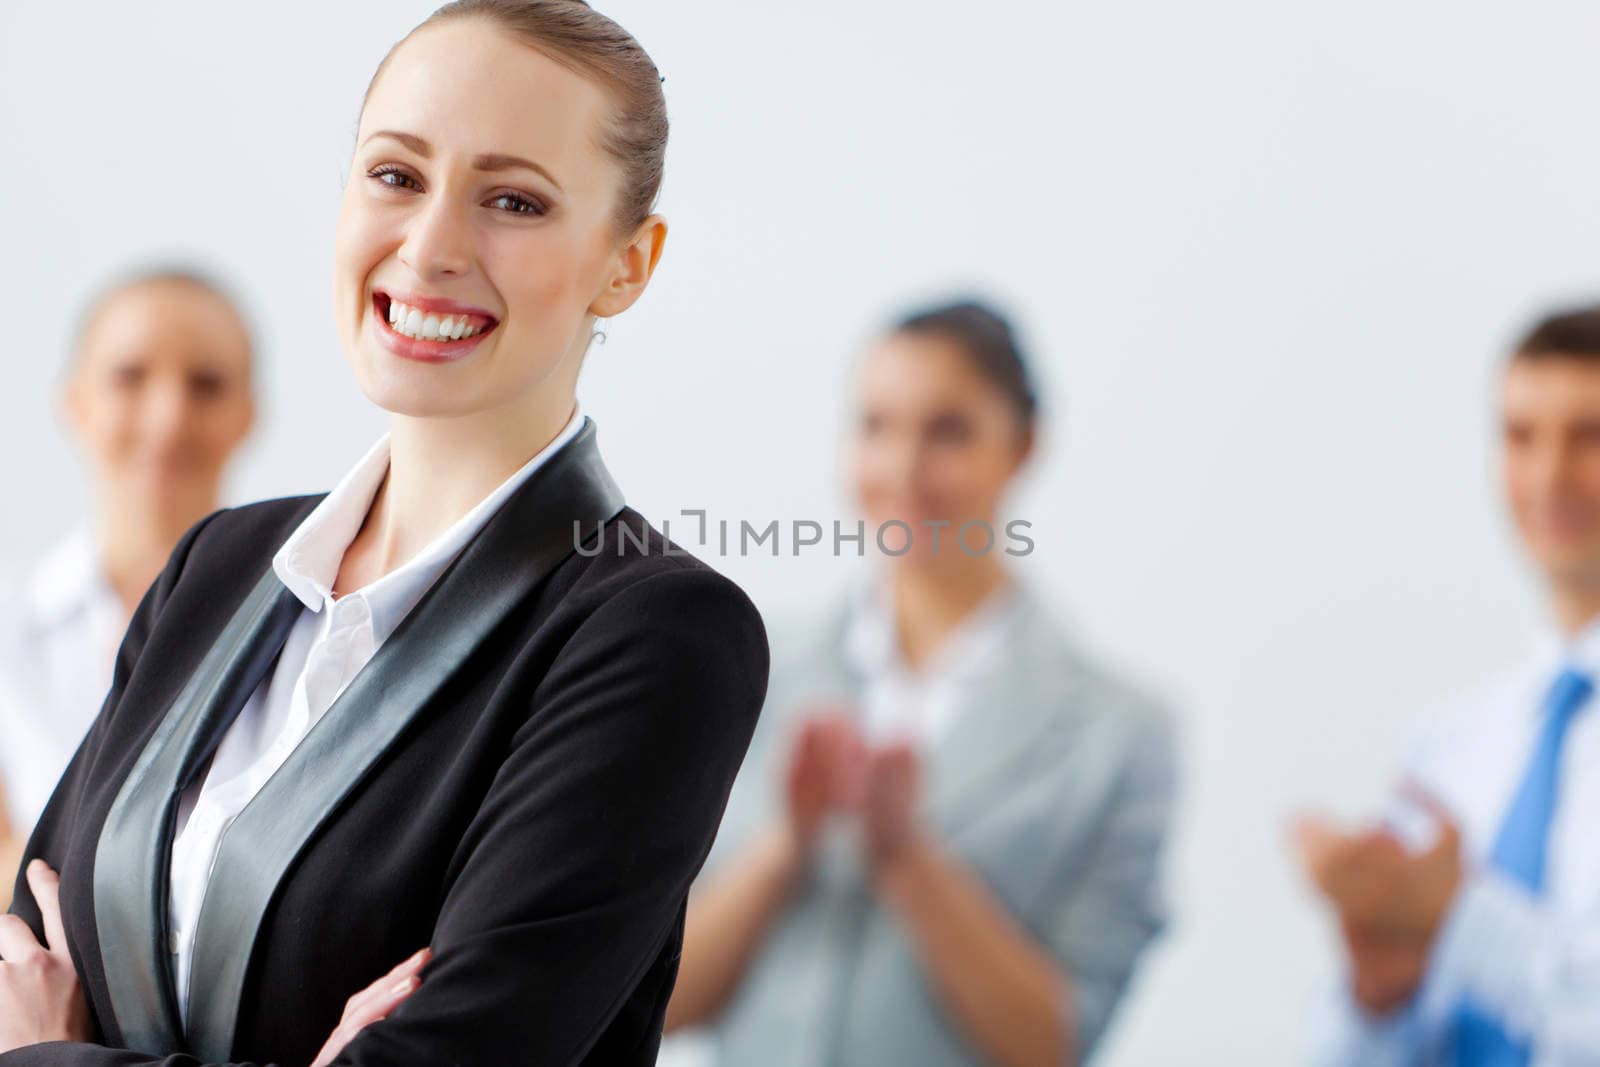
column 1550, row 465
column 168, row 411
column 902, row 464
column 1550, row 475
column 438, row 242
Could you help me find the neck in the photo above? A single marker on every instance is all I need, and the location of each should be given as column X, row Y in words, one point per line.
column 441, row 468
column 1576, row 607
column 929, row 603
column 136, row 534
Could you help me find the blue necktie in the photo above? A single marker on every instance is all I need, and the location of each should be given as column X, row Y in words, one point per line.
column 1519, row 853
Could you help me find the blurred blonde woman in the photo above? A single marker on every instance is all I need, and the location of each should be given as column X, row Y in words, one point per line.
column 945, row 846
column 158, row 399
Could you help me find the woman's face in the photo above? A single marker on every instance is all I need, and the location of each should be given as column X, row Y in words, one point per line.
column 159, row 396
column 935, row 441
column 478, row 216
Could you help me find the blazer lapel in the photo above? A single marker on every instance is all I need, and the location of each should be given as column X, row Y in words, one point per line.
column 520, row 545
column 1013, row 709
column 132, row 857
column 1019, row 701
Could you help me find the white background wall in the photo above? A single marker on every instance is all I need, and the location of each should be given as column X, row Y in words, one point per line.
column 1267, row 255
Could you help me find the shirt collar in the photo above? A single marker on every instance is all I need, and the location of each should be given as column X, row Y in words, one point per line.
column 67, row 580
column 873, row 646
column 308, row 563
column 1580, row 651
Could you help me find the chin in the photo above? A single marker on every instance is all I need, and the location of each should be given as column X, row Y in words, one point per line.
column 1574, row 567
column 416, row 392
column 416, row 403
column 923, row 561
column 397, row 402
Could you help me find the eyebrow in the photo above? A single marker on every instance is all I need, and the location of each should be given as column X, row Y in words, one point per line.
column 488, row 161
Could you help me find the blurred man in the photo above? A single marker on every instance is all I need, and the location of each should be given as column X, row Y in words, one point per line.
column 1478, row 944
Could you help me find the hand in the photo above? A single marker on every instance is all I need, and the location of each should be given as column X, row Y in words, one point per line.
column 1376, row 883
column 371, row 1004
column 889, row 808
column 40, row 998
column 1384, row 971
column 826, row 773
column 1390, row 901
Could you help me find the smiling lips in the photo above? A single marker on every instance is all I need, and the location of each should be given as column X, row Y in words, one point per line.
column 423, row 327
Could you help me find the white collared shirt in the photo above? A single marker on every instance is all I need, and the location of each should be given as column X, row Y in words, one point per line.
column 901, row 702
column 1531, row 961
column 331, row 641
column 58, row 642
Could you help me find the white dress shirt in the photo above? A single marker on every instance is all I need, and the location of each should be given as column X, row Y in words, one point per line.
column 331, row 641
column 58, row 642
column 1532, row 961
column 918, row 704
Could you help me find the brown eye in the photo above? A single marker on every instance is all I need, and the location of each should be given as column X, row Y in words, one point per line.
column 950, row 429
column 206, row 386
column 127, row 376
column 394, row 177
column 517, row 204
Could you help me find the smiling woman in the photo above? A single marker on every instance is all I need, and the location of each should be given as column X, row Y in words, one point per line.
column 440, row 181
column 407, row 720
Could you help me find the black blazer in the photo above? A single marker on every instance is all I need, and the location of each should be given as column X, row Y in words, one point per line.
column 526, row 777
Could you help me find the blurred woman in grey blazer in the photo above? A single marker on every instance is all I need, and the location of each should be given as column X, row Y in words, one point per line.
column 945, row 844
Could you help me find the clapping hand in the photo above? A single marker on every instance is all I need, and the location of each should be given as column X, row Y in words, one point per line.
column 826, row 774
column 889, row 807
column 1390, row 901
column 832, row 770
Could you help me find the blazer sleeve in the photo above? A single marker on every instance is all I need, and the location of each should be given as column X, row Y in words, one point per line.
column 571, row 878
column 1115, row 907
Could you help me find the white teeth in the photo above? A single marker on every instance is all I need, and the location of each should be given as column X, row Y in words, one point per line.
column 414, row 323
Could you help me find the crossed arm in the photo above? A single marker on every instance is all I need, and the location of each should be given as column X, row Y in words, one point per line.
column 617, row 781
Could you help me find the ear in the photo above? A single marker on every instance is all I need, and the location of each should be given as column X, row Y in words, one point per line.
column 249, row 424
column 69, row 402
column 1028, row 441
column 632, row 267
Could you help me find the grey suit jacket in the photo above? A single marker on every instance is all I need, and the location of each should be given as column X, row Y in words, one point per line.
column 1055, row 785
